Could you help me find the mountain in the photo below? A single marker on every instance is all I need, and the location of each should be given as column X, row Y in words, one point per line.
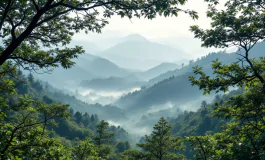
column 174, row 86
column 204, row 62
column 66, row 78
column 111, row 83
column 177, row 90
column 189, row 44
column 87, row 67
column 157, row 70
column 100, row 66
column 133, row 37
column 136, row 52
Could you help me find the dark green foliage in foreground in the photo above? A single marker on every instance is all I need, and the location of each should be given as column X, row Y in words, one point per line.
column 35, row 125
column 243, row 136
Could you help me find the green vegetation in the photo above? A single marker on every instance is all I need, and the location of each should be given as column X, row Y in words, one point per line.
column 34, row 35
column 36, row 124
column 243, row 136
column 161, row 144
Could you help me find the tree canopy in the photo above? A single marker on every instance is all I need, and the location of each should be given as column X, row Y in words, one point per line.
column 241, row 24
column 34, row 36
column 27, row 27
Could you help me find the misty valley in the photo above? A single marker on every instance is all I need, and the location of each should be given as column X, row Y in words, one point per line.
column 132, row 80
column 137, row 98
column 134, row 100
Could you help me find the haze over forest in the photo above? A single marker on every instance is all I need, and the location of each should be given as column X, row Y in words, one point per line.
column 132, row 80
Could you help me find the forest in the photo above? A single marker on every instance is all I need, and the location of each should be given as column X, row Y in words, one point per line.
column 211, row 108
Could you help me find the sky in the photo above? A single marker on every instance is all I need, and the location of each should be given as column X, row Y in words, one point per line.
column 173, row 31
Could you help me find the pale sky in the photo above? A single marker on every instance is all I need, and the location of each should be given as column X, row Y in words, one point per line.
column 173, row 31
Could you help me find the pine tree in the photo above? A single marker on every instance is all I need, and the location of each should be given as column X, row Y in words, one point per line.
column 103, row 139
column 78, row 117
column 161, row 143
column 31, row 78
column 203, row 104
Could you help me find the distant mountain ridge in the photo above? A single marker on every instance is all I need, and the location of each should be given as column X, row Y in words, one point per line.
column 111, row 83
column 100, row 66
column 157, row 70
column 133, row 37
column 174, row 86
column 176, row 90
column 87, row 67
column 206, row 61
column 136, row 52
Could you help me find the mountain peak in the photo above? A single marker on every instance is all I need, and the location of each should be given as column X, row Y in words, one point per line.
column 134, row 37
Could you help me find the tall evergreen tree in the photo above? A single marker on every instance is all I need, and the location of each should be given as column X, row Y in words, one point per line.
column 203, row 104
column 78, row 116
column 161, row 144
column 103, row 139
column 31, row 78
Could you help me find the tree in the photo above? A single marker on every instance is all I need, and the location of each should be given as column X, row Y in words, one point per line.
column 71, row 112
column 86, row 119
column 243, row 137
column 23, row 121
column 203, row 104
column 134, row 155
column 34, row 36
column 204, row 145
column 161, row 144
column 31, row 78
column 26, row 26
column 102, row 139
column 191, row 61
column 23, row 133
column 78, row 116
column 241, row 25
column 122, row 146
column 217, row 98
column 85, row 150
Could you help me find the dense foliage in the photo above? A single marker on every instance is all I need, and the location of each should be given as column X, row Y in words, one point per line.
column 28, row 25
column 35, row 124
column 240, row 25
column 38, row 126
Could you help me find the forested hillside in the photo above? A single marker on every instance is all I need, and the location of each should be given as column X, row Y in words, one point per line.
column 157, row 70
column 111, row 84
column 173, row 89
column 56, row 102
column 205, row 61
column 87, row 67
column 73, row 129
column 109, row 112
column 173, row 86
